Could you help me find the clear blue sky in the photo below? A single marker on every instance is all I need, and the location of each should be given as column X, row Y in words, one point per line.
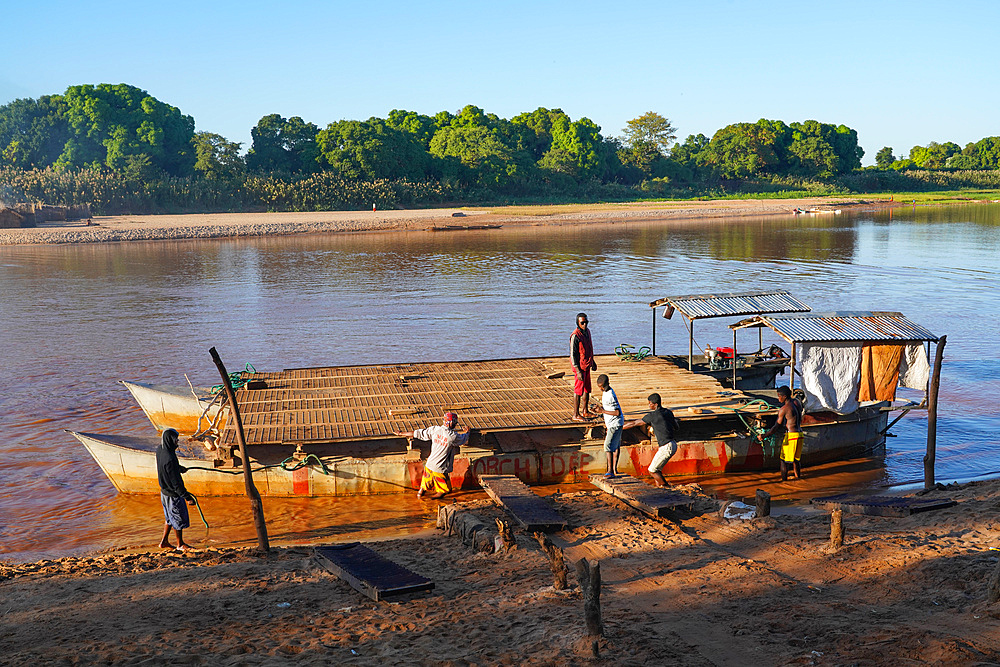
column 900, row 73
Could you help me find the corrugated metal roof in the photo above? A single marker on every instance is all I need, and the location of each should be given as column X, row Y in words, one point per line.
column 699, row 306
column 860, row 326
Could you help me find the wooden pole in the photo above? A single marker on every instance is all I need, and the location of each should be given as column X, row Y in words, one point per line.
column 691, row 346
column 654, row 331
column 589, row 577
column 734, row 358
column 251, row 490
column 932, row 401
column 791, row 380
column 836, row 529
column 763, row 503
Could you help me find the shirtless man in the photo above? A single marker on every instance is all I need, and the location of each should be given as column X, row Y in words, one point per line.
column 790, row 415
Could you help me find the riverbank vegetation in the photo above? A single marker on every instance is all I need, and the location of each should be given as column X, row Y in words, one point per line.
column 123, row 151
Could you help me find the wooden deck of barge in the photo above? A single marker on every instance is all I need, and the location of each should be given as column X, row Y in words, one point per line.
column 363, row 403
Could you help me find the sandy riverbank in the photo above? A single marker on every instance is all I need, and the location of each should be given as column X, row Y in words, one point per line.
column 694, row 589
column 106, row 229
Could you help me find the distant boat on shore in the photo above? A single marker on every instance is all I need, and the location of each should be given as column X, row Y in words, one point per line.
column 816, row 211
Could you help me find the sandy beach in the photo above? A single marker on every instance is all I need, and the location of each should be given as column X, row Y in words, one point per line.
column 689, row 589
column 105, row 229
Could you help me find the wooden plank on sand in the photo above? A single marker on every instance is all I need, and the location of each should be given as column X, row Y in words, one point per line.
column 533, row 513
column 368, row 572
column 650, row 500
column 893, row 506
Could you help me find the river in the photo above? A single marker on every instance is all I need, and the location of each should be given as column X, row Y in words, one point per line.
column 74, row 319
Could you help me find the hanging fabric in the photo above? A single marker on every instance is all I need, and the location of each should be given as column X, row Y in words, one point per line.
column 830, row 376
column 914, row 370
column 879, row 371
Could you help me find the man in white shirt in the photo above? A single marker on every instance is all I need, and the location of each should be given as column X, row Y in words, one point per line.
column 445, row 442
column 614, row 418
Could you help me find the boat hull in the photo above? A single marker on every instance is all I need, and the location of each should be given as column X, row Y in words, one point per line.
column 131, row 466
column 175, row 407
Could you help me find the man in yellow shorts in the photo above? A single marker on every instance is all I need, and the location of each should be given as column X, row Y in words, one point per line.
column 445, row 442
column 790, row 415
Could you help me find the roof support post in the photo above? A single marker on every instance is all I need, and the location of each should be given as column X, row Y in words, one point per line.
column 654, row 331
column 734, row 358
column 691, row 345
column 932, row 401
column 792, row 379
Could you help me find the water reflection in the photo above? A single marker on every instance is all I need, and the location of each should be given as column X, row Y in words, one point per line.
column 74, row 319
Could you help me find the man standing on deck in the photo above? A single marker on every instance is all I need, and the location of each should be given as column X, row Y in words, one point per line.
column 664, row 426
column 790, row 415
column 172, row 491
column 445, row 442
column 581, row 354
column 613, row 420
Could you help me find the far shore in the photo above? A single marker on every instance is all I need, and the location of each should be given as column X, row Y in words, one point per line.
column 111, row 229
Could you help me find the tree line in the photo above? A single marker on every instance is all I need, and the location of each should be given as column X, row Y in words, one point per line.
column 114, row 137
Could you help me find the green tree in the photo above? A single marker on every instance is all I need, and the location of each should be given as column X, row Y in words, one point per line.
column 646, row 140
column 420, row 126
column 884, row 157
column 110, row 122
column 537, row 139
column 33, row 133
column 486, row 159
column 371, row 149
column 933, row 155
column 280, row 144
column 576, row 149
column 215, row 156
column 741, row 150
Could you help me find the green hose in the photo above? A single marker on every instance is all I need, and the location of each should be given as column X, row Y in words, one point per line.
column 198, row 505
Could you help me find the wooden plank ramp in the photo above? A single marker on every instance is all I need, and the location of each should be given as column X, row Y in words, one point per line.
column 370, row 573
column 893, row 506
column 649, row 500
column 533, row 513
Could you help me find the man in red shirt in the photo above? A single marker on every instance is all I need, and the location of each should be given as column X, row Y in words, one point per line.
column 581, row 354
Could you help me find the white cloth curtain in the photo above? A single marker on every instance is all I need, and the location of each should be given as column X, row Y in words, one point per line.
column 831, row 375
column 913, row 368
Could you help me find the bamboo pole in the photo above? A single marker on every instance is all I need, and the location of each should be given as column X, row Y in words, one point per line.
column 932, row 403
column 251, row 490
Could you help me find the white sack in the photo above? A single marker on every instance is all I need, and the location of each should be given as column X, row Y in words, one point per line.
column 831, row 375
column 913, row 367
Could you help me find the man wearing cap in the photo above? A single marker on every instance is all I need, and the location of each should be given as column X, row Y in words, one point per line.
column 445, row 441
column 581, row 354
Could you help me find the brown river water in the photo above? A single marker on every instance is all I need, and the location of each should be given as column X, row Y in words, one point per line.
column 74, row 319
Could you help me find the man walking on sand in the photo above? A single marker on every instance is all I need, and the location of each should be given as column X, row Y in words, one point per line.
column 613, row 420
column 581, row 354
column 790, row 415
column 445, row 442
column 173, row 495
column 664, row 426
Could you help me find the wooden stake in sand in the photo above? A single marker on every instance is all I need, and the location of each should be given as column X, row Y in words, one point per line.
column 993, row 586
column 589, row 576
column 836, row 529
column 556, row 562
column 763, row 503
column 932, row 396
column 252, row 493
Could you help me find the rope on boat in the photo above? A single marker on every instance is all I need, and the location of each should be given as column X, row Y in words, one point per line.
column 283, row 465
column 770, row 441
column 627, row 352
column 236, row 379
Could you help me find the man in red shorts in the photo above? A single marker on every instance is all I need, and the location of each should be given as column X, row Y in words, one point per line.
column 581, row 354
